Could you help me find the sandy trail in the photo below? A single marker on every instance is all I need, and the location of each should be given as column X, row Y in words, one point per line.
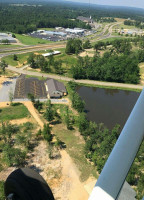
column 77, row 190
column 33, row 112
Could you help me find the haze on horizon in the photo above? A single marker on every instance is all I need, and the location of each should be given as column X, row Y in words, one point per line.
column 129, row 3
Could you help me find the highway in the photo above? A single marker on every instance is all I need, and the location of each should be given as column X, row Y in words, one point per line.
column 32, row 48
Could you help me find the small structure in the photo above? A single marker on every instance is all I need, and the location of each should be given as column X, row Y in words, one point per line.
column 51, row 53
column 55, row 89
column 85, row 19
column 8, row 37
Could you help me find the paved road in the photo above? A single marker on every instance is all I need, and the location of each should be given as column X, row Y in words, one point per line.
column 99, row 83
column 33, row 49
column 59, row 101
column 8, row 86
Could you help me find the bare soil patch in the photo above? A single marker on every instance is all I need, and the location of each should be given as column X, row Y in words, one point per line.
column 85, row 53
column 21, row 121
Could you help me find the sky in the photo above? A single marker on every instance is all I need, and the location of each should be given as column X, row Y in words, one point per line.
column 129, row 3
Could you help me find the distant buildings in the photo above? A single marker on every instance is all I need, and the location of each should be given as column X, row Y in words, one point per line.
column 132, row 32
column 60, row 33
column 8, row 37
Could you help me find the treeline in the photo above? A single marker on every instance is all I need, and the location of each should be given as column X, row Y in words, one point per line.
column 138, row 24
column 107, row 20
column 99, row 142
column 25, row 19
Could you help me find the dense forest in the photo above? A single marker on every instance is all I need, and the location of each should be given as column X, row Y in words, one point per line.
column 24, row 18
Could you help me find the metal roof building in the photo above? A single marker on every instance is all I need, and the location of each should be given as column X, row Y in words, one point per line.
column 5, row 36
column 51, row 53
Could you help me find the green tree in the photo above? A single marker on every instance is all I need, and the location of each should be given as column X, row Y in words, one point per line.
column 77, row 102
column 49, row 113
column 15, row 57
column 6, row 41
column 31, row 97
column 11, row 96
column 13, row 156
column 87, row 44
column 82, row 123
column 67, row 119
column 3, row 65
column 47, row 133
column 24, row 139
column 2, row 195
column 31, row 61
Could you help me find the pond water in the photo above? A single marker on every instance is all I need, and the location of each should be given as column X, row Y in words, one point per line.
column 108, row 106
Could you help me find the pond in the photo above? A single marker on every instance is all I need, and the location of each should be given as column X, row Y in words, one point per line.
column 108, row 106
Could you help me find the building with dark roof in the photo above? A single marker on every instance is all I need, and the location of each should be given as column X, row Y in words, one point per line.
column 55, row 89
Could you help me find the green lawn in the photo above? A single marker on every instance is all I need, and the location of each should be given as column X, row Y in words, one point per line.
column 17, row 111
column 22, row 58
column 47, row 29
column 27, row 40
column 75, row 148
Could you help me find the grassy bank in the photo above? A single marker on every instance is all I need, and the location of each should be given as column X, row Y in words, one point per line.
column 75, row 148
column 109, row 87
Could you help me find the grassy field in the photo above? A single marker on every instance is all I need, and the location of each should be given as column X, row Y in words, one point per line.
column 75, row 148
column 47, row 29
column 22, row 59
column 27, row 40
column 67, row 61
column 17, row 111
column 120, row 26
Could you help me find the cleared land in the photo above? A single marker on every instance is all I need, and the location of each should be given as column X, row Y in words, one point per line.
column 27, row 40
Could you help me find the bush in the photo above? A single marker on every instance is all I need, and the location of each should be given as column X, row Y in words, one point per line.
column 2, row 196
column 13, row 156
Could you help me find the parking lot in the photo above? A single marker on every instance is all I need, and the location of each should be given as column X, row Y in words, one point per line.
column 7, row 87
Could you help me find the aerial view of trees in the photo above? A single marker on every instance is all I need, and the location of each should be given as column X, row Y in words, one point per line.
column 74, row 46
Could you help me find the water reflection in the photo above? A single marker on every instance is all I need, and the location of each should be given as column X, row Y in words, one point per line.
column 106, row 105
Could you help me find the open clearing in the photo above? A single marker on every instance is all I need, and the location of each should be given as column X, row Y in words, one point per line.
column 27, row 40
column 17, row 111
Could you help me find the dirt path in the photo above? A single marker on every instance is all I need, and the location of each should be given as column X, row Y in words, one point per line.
column 33, row 112
column 76, row 188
